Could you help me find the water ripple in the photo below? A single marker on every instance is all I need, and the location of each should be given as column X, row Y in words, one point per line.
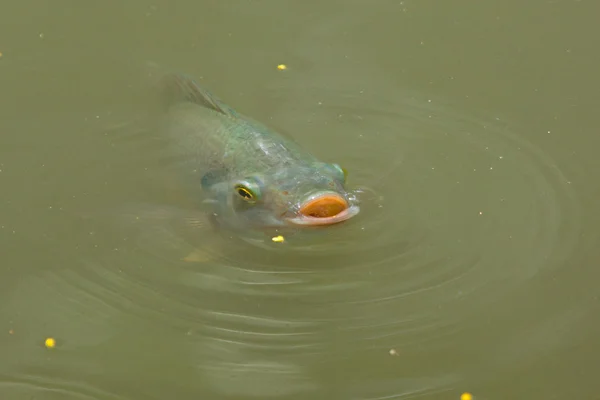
column 35, row 387
column 459, row 213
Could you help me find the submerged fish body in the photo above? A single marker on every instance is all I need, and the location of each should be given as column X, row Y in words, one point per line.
column 251, row 176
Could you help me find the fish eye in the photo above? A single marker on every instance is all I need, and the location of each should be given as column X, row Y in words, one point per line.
column 245, row 193
column 248, row 190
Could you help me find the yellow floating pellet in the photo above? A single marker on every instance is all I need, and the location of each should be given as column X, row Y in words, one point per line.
column 466, row 396
column 278, row 239
column 281, row 67
column 50, row 343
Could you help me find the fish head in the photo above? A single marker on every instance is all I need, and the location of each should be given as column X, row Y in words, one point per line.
column 313, row 194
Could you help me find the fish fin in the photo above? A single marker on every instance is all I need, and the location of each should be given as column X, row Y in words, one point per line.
column 195, row 222
column 197, row 256
column 177, row 87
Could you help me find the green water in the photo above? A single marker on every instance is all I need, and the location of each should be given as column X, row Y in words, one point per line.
column 469, row 127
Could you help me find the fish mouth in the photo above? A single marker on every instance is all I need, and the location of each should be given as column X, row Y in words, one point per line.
column 324, row 209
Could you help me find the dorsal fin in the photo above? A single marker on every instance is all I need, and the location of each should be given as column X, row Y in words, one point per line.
column 176, row 87
column 179, row 87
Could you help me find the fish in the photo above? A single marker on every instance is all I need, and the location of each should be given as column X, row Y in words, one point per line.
column 250, row 176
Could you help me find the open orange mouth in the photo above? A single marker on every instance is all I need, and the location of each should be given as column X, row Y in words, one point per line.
column 327, row 209
column 325, row 206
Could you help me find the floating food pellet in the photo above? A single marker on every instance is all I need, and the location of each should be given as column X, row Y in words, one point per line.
column 281, row 67
column 466, row 396
column 278, row 239
column 50, row 343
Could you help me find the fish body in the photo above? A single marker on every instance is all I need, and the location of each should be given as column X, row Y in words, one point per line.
column 251, row 176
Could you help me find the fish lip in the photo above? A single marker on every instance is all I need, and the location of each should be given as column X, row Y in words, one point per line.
column 319, row 221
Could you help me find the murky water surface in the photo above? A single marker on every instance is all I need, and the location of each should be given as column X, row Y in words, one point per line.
column 468, row 130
